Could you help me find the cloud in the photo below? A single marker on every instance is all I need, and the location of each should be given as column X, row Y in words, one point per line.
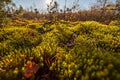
column 48, row 1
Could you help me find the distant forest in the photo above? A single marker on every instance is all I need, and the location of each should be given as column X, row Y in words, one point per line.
column 103, row 11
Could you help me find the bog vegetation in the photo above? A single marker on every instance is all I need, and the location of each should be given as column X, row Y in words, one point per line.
column 60, row 50
column 60, row 45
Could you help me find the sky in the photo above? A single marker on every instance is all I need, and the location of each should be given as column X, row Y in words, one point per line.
column 41, row 5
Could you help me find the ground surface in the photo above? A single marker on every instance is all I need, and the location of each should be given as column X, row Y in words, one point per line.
column 60, row 50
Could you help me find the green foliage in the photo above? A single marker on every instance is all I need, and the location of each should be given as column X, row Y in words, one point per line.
column 18, row 38
column 115, row 23
column 94, row 55
column 6, row 22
